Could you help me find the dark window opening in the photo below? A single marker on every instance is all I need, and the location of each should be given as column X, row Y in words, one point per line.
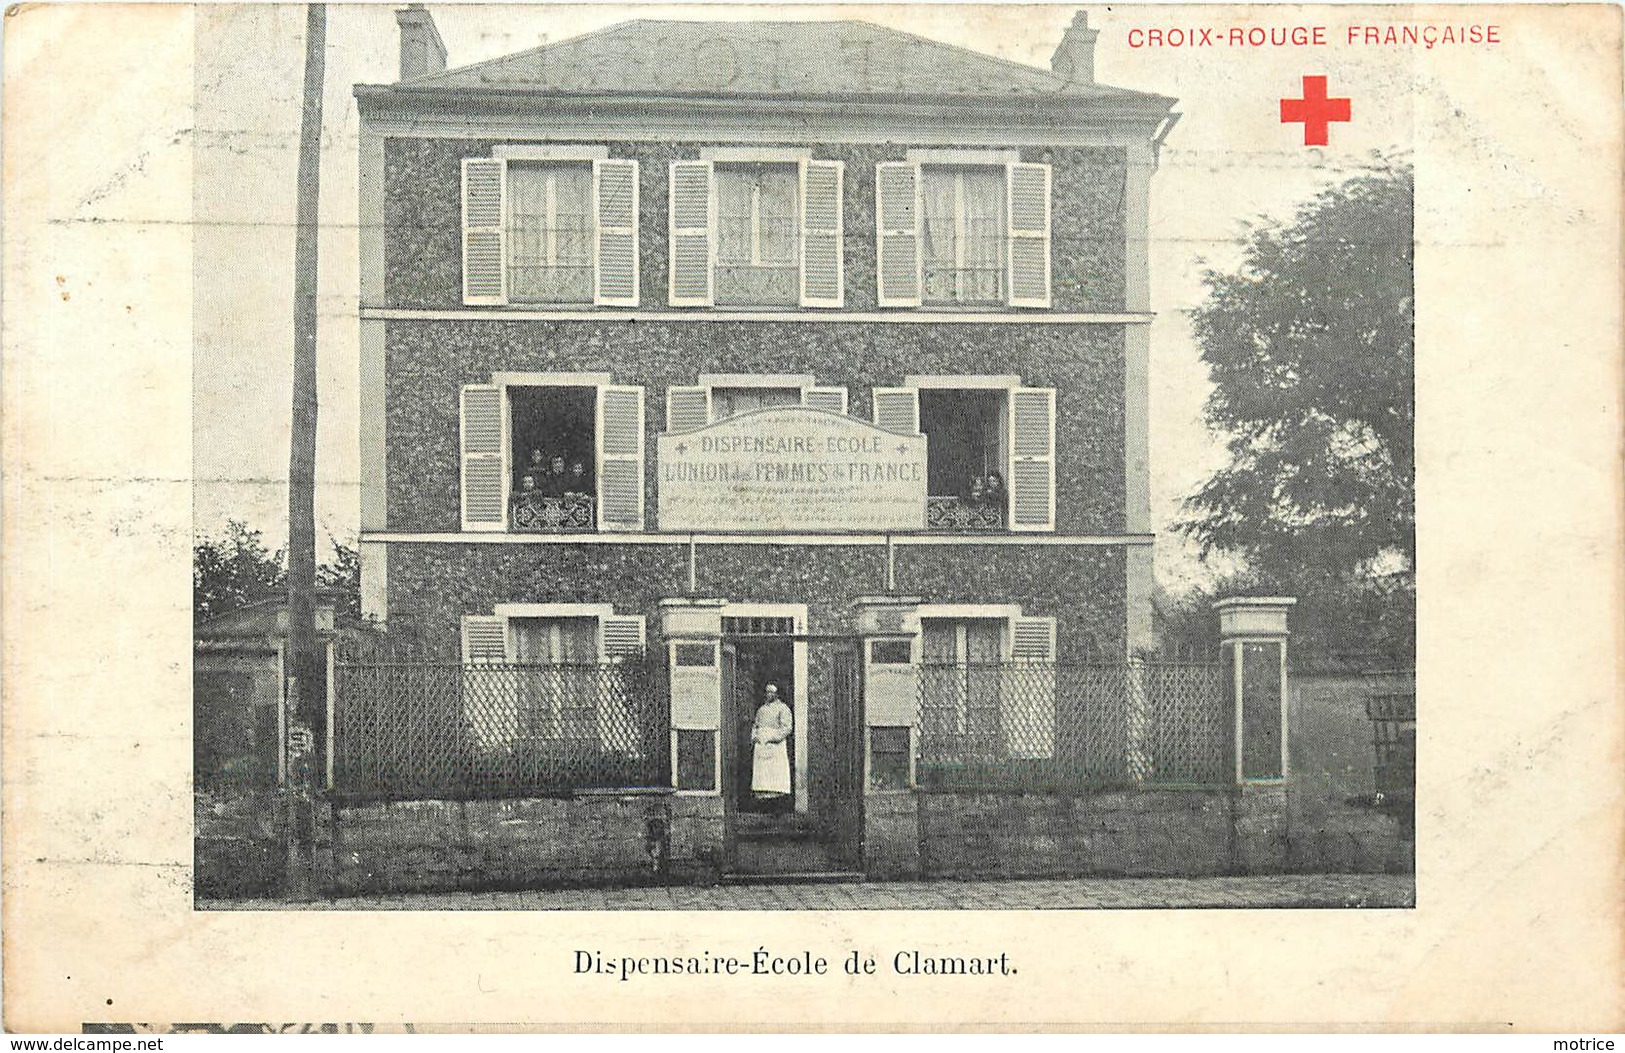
column 888, row 758
column 696, row 760
column 965, row 458
column 891, row 652
column 696, row 654
column 554, row 457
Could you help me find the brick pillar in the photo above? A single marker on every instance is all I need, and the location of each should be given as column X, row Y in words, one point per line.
column 691, row 630
column 1253, row 637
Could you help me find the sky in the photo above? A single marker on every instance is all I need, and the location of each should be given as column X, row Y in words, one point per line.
column 1229, row 161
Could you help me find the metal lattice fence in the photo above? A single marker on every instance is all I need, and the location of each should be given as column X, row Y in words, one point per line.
column 414, row 728
column 1031, row 725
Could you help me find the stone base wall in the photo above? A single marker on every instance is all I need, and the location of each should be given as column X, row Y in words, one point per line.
column 238, row 845
column 892, row 845
column 618, row 839
column 1128, row 833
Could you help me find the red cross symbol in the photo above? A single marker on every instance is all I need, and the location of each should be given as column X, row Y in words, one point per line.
column 1314, row 111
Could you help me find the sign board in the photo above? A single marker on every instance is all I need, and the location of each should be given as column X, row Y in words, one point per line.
column 791, row 468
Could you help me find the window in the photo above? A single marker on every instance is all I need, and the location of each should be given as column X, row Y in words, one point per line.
column 550, row 242
column 720, row 396
column 558, row 693
column 552, row 453
column 758, row 235
column 890, row 758
column 963, row 234
column 756, row 228
column 550, row 225
column 965, row 457
column 990, row 454
column 548, row 677
column 970, row 232
column 988, row 689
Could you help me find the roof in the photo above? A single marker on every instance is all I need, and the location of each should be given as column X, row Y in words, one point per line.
column 764, row 59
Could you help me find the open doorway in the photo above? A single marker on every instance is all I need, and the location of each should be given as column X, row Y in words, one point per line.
column 757, row 663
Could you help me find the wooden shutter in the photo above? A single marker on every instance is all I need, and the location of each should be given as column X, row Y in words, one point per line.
column 620, row 458
column 1032, row 459
column 823, row 276
column 1028, row 191
column 897, row 219
column 620, row 636
column 615, row 204
column 898, row 409
column 485, row 244
column 1027, row 704
column 484, row 468
column 485, row 640
column 827, row 398
column 687, row 409
column 693, row 233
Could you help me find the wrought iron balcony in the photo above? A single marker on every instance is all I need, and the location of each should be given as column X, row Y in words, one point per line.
column 960, row 514
column 534, row 513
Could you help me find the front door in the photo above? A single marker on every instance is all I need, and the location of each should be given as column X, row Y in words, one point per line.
column 750, row 667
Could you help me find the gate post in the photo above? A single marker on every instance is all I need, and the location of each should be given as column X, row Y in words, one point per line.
column 888, row 628
column 691, row 631
column 1253, row 641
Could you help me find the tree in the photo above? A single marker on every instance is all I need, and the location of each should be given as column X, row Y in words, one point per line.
column 234, row 570
column 1310, row 347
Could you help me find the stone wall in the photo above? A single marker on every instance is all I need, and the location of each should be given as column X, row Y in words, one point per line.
column 1122, row 833
column 1082, row 585
column 609, row 838
column 428, row 362
column 423, row 218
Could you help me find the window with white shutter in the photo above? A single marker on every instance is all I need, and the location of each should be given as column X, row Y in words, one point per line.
column 897, row 409
column 691, row 233
column 823, row 276
column 484, row 465
column 1032, row 459
column 484, row 235
column 832, row 399
column 485, row 640
column 615, row 186
column 550, row 225
column 621, row 636
column 1029, row 211
column 1027, row 710
column 897, row 221
column 691, row 407
column 620, row 457
column 967, row 233
column 687, row 409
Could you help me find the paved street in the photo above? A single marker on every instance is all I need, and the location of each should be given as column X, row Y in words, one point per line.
column 1305, row 890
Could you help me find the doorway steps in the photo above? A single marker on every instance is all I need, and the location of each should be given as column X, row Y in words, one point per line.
column 782, row 850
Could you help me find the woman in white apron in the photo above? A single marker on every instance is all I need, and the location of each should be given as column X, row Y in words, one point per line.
column 770, row 767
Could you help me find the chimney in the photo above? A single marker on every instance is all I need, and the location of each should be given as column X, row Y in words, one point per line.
column 1074, row 60
column 422, row 50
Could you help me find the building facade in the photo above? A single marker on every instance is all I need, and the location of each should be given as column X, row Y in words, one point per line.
column 811, row 353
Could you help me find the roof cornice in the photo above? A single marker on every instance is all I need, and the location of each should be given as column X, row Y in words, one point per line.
column 1062, row 110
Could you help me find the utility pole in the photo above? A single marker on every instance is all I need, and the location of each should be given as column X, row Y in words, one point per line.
column 306, row 666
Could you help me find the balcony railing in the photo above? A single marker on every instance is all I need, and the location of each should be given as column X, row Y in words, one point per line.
column 533, row 513
column 962, row 514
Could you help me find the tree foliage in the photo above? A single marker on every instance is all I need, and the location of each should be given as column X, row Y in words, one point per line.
column 1310, row 347
column 236, row 569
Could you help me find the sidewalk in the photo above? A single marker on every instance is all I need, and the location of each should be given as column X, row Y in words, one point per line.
column 1287, row 890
